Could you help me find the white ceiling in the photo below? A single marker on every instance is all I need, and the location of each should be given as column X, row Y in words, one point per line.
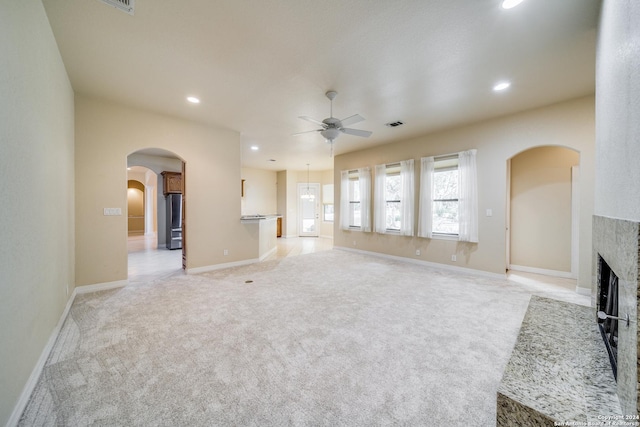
column 257, row 65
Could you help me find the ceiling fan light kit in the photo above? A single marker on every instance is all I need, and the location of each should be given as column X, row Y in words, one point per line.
column 331, row 127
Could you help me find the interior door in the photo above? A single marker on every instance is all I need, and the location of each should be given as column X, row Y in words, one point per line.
column 309, row 209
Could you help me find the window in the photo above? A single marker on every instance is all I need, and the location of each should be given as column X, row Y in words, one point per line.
column 327, row 203
column 448, row 197
column 445, row 196
column 394, row 198
column 355, row 199
column 355, row 219
column 327, row 213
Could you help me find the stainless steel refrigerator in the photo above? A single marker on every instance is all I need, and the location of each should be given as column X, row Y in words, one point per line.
column 174, row 221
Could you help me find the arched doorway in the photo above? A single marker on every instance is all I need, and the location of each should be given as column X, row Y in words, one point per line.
column 542, row 211
column 148, row 255
column 136, row 208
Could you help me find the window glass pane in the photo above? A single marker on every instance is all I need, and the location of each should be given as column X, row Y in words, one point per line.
column 308, row 226
column 393, row 218
column 328, row 213
column 445, row 184
column 354, row 214
column 392, row 187
column 445, row 217
column 354, row 190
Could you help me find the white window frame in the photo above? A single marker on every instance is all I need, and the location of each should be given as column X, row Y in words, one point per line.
column 444, row 164
column 351, row 179
column 467, row 196
column 405, row 170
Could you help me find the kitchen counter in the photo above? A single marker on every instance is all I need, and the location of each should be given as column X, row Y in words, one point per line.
column 264, row 228
column 258, row 217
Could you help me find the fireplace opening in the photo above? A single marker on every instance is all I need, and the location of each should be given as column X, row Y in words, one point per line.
column 608, row 302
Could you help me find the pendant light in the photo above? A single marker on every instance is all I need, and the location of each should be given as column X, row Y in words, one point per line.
column 307, row 194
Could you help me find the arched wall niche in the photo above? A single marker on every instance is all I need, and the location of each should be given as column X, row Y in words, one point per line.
column 543, row 210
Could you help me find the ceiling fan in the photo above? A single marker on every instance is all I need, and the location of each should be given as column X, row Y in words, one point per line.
column 332, row 127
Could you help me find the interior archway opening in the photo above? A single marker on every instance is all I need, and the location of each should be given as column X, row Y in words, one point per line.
column 543, row 212
column 155, row 236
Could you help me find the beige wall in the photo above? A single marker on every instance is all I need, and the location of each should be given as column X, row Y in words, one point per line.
column 569, row 124
column 260, row 192
column 36, row 166
column 617, row 193
column 326, row 228
column 541, row 208
column 106, row 133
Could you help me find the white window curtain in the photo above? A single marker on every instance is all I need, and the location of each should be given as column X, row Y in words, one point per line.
column 468, row 201
column 364, row 181
column 406, row 178
column 425, row 219
column 379, row 200
column 344, row 200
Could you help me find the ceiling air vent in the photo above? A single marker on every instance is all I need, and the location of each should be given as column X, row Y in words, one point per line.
column 394, row 124
column 123, row 5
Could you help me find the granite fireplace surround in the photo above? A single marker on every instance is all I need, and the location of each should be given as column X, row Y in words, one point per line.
column 618, row 243
column 559, row 370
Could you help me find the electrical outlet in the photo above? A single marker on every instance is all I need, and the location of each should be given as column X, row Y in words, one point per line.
column 454, row 258
column 354, row 243
column 489, row 212
column 417, row 252
column 225, row 252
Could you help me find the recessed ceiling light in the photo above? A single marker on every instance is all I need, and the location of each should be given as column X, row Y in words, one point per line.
column 508, row 4
column 501, row 86
column 193, row 100
column 255, row 147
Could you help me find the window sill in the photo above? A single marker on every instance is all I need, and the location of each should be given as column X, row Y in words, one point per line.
column 440, row 236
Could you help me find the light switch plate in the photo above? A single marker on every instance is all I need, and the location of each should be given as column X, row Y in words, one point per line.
column 112, row 211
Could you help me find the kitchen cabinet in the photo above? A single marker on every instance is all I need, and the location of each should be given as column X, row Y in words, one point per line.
column 172, row 182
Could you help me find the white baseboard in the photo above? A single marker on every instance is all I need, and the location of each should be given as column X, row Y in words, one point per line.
column 543, row 271
column 437, row 265
column 37, row 369
column 268, row 253
column 207, row 268
column 85, row 289
column 326, row 237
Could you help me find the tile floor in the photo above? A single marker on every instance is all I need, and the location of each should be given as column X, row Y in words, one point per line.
column 148, row 262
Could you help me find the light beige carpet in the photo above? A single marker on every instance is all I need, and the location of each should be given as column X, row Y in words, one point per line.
column 327, row 339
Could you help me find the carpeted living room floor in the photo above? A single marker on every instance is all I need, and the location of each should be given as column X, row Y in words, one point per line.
column 332, row 338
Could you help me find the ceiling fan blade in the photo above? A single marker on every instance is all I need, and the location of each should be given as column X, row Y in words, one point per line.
column 356, row 132
column 356, row 118
column 307, row 131
column 309, row 119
